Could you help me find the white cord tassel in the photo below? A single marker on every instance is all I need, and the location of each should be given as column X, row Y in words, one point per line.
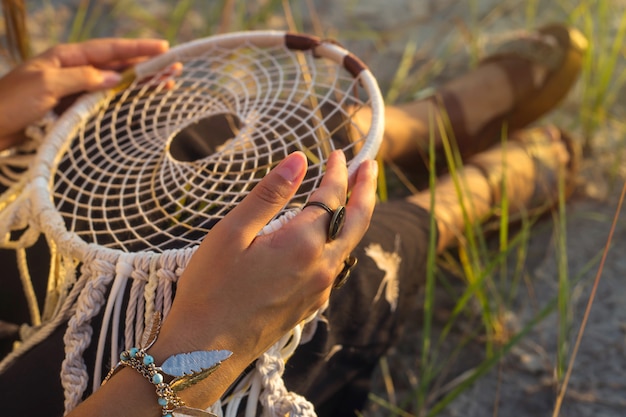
column 276, row 400
column 99, row 273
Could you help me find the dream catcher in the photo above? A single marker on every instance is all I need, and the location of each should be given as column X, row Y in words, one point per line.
column 129, row 180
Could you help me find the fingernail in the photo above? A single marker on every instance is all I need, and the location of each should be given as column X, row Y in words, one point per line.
column 291, row 168
column 165, row 45
column 374, row 168
column 369, row 167
column 341, row 155
column 110, row 79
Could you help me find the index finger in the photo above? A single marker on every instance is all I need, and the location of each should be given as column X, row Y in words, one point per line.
column 104, row 51
column 265, row 200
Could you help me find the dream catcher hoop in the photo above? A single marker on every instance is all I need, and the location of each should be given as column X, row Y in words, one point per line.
column 129, row 180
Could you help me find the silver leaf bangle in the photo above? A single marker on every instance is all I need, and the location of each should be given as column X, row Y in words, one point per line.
column 186, row 368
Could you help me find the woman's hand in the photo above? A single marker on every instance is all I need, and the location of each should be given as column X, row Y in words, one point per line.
column 243, row 292
column 32, row 89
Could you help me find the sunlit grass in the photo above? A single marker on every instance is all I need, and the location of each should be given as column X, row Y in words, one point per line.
column 602, row 76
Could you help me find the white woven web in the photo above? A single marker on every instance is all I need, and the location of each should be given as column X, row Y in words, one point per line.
column 131, row 180
column 127, row 183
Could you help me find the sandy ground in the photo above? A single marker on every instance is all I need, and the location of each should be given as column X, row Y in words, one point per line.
column 523, row 383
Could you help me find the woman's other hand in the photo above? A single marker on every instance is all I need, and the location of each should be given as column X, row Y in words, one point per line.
column 32, row 89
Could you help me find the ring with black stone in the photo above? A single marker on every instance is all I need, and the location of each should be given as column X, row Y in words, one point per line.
column 337, row 220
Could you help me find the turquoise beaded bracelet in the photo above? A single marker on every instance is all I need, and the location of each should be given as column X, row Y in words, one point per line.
column 186, row 368
column 143, row 363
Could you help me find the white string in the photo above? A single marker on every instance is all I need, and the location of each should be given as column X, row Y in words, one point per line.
column 123, row 270
column 27, row 285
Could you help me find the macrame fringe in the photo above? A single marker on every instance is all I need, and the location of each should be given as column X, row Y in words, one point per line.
column 153, row 277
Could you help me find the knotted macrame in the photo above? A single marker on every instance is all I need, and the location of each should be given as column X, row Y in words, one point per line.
column 126, row 182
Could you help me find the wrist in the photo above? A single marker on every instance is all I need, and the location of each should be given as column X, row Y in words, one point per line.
column 178, row 338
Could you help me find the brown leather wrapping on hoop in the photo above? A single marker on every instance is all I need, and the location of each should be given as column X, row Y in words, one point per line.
column 299, row 42
column 353, row 65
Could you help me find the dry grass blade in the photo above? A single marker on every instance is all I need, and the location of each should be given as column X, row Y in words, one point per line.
column 18, row 43
column 226, row 20
column 581, row 331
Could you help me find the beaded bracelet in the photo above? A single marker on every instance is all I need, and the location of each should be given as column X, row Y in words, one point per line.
column 186, row 368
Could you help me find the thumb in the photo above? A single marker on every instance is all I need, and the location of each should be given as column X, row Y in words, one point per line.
column 266, row 199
